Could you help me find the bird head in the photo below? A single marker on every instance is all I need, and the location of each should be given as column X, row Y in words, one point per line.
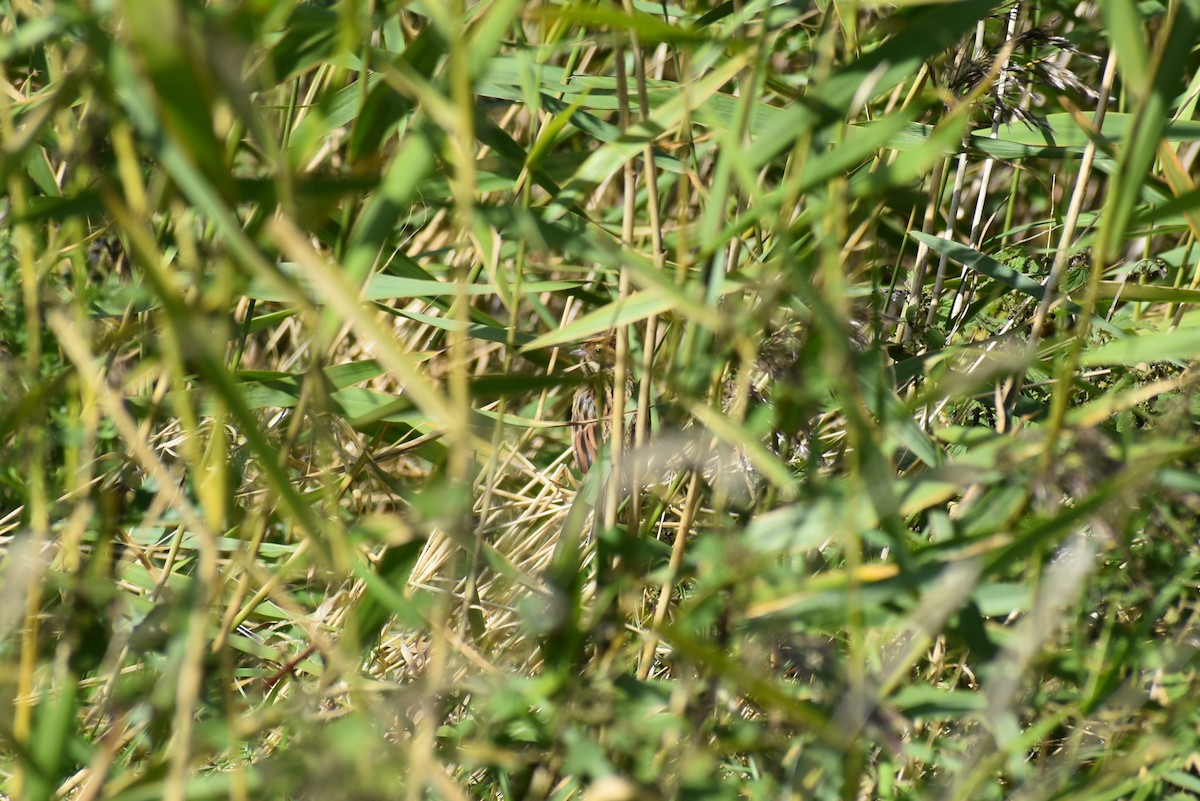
column 597, row 355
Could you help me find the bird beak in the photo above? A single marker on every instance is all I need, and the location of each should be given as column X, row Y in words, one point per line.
column 579, row 353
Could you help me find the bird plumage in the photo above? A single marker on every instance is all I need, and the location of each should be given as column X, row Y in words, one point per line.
column 592, row 406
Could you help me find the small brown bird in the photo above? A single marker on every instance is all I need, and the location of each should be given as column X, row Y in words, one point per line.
column 591, row 409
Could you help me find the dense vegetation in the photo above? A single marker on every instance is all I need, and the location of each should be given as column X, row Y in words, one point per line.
column 287, row 296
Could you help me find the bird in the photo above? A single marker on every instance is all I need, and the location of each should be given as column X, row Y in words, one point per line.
column 591, row 408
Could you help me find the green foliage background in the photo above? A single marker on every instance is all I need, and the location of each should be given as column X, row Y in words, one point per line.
column 287, row 507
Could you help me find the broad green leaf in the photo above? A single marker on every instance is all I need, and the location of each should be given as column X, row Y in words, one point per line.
column 184, row 91
column 1148, row 293
column 1182, row 343
column 306, row 41
column 30, row 34
column 1155, row 91
column 647, row 27
column 896, row 60
column 393, row 287
column 384, row 108
column 1123, row 22
column 487, row 333
column 923, row 701
column 384, row 583
column 406, row 169
column 635, row 308
column 985, row 265
column 609, row 158
column 1063, row 132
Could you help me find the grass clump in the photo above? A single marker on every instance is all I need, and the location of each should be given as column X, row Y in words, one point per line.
column 905, row 297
